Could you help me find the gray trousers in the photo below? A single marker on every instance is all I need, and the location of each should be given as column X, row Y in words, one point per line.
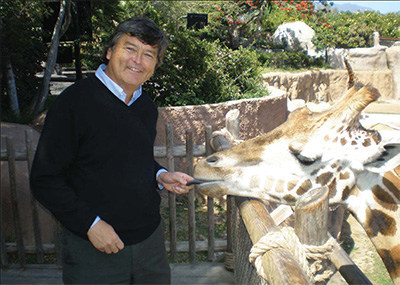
column 142, row 263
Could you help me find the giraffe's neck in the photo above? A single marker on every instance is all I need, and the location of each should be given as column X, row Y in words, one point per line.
column 377, row 207
column 375, row 202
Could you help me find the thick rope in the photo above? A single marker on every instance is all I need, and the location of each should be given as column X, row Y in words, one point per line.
column 309, row 257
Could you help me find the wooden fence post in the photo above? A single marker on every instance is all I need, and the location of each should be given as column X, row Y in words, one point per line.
column 311, row 217
column 210, row 203
column 35, row 216
column 171, row 195
column 191, row 209
column 14, row 202
column 232, row 124
column 279, row 264
column 4, row 258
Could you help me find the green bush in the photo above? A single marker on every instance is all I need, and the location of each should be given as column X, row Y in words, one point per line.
column 196, row 71
column 353, row 30
column 290, row 60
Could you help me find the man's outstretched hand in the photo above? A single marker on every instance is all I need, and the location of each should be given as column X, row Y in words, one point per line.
column 175, row 182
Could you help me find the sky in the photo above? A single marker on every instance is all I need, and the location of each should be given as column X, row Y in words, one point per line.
column 381, row 6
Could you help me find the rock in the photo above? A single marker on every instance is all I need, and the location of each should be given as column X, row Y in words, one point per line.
column 326, row 85
column 373, row 58
column 360, row 58
column 393, row 59
column 295, row 35
column 295, row 104
column 318, row 107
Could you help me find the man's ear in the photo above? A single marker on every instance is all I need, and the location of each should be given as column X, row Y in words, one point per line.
column 108, row 54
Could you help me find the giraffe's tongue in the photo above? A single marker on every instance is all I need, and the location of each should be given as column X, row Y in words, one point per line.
column 194, row 181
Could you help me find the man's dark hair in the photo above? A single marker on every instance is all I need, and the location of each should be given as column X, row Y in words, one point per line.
column 145, row 30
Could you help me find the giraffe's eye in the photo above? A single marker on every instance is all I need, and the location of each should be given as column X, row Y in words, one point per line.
column 212, row 159
column 304, row 159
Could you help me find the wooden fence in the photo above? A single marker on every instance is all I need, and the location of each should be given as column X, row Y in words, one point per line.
column 252, row 221
column 387, row 41
column 170, row 152
column 248, row 220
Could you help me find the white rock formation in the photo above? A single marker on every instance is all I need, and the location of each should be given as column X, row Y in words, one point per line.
column 295, row 35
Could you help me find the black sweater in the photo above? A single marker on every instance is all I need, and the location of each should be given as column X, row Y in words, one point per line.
column 95, row 158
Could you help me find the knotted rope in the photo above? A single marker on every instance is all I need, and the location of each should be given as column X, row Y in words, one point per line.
column 309, row 257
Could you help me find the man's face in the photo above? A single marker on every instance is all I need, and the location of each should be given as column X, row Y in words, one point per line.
column 131, row 63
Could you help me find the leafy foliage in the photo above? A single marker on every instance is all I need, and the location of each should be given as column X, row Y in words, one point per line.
column 218, row 63
column 196, row 71
column 351, row 30
column 21, row 34
column 290, row 60
column 105, row 17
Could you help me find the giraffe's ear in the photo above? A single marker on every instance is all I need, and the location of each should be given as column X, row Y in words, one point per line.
column 390, row 157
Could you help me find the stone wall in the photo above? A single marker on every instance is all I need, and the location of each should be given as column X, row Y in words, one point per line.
column 377, row 65
column 327, row 85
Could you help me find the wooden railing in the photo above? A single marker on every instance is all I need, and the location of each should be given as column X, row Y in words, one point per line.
column 387, row 41
column 253, row 221
column 170, row 152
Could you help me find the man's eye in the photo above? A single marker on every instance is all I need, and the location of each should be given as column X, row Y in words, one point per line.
column 130, row 49
column 149, row 55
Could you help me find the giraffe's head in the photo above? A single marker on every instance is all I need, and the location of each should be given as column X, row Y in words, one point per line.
column 309, row 150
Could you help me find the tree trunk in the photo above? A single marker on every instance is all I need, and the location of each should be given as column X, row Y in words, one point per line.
column 12, row 90
column 59, row 30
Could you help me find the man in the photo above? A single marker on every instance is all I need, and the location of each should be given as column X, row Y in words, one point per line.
column 94, row 167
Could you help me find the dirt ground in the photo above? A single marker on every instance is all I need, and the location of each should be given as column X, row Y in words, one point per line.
column 364, row 255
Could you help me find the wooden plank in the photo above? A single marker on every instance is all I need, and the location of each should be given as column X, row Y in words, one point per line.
column 48, row 248
column 179, row 151
column 182, row 246
column 14, row 202
column 34, row 204
column 171, row 195
column 159, row 152
column 346, row 267
column 336, row 217
column 210, row 204
column 390, row 39
column 4, row 258
column 20, row 155
column 58, row 242
column 191, row 208
column 201, row 246
column 278, row 264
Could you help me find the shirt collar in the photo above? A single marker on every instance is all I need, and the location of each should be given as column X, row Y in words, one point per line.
column 114, row 87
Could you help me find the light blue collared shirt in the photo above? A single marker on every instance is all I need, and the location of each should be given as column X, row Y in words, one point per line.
column 114, row 87
column 120, row 94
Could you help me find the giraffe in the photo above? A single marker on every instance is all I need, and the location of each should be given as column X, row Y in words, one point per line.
column 312, row 150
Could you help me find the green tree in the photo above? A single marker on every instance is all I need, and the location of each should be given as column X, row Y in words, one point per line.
column 22, row 52
column 351, row 30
